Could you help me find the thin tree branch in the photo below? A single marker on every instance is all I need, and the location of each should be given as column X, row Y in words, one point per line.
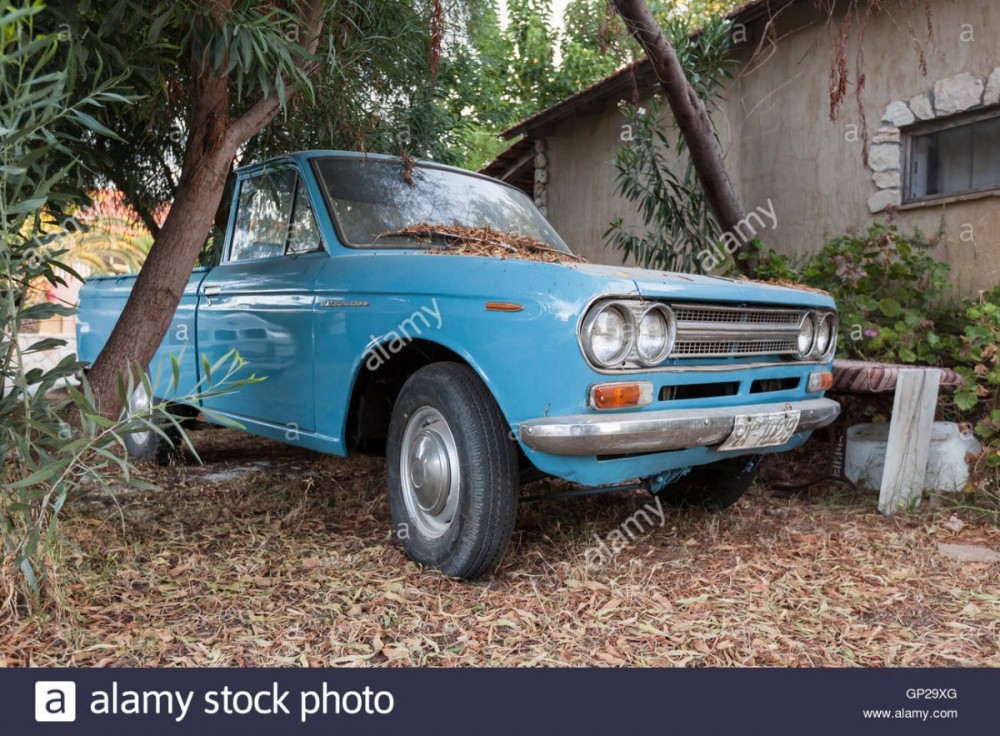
column 265, row 109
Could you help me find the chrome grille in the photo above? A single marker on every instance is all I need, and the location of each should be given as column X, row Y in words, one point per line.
column 714, row 331
column 738, row 316
column 690, row 348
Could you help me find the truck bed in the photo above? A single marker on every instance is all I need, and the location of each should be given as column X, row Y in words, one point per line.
column 102, row 299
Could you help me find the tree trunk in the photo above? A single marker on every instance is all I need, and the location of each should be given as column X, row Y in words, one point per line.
column 158, row 289
column 694, row 123
column 150, row 308
column 213, row 141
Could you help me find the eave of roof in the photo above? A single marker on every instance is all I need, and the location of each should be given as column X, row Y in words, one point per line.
column 637, row 75
column 515, row 165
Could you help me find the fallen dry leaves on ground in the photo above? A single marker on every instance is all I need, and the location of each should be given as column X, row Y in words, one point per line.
column 274, row 556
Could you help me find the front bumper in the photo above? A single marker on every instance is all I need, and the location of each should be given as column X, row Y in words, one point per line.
column 658, row 431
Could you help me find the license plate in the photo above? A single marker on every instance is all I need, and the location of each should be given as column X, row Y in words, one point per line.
column 762, row 430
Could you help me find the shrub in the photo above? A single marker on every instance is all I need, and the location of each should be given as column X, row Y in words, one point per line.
column 52, row 448
column 896, row 306
column 894, row 298
column 45, row 457
column 977, row 361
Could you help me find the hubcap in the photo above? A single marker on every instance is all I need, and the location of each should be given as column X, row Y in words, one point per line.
column 139, row 403
column 429, row 472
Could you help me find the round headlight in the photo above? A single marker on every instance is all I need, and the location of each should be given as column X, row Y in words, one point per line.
column 609, row 334
column 655, row 335
column 824, row 336
column 807, row 335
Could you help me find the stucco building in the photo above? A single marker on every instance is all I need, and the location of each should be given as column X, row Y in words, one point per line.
column 927, row 114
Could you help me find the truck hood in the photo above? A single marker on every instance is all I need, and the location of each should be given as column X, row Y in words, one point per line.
column 683, row 286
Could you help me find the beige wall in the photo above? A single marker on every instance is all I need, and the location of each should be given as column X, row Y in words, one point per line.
column 782, row 146
column 581, row 200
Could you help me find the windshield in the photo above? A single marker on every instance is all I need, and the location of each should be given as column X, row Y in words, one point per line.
column 373, row 200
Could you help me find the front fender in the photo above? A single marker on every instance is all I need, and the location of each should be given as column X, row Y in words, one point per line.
column 529, row 359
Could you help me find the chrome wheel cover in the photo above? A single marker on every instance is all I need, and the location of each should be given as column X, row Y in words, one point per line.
column 429, row 472
column 139, row 403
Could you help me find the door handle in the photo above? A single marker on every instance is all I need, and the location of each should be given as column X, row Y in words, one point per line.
column 212, row 291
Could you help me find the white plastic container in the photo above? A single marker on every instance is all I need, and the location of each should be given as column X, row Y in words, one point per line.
column 947, row 466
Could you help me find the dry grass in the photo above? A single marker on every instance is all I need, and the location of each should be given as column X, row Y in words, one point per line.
column 290, row 563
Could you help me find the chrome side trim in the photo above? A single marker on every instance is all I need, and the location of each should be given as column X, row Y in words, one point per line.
column 343, row 303
column 658, row 431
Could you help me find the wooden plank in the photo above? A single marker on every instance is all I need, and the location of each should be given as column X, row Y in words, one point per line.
column 909, row 439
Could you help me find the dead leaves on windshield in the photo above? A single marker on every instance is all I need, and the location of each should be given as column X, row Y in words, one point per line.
column 484, row 241
column 270, row 556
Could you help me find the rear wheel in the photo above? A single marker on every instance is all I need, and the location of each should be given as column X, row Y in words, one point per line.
column 452, row 472
column 716, row 486
column 145, row 444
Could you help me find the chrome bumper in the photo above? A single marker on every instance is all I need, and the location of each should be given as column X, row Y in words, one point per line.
column 658, row 431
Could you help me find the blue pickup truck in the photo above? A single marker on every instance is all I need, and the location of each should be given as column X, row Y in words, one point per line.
column 434, row 315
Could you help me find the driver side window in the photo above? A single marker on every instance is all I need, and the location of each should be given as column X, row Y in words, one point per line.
column 273, row 217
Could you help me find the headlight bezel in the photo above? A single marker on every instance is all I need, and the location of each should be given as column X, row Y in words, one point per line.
column 830, row 322
column 628, row 343
column 633, row 312
column 810, row 318
column 670, row 336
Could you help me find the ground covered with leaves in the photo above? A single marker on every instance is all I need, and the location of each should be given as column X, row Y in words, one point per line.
column 271, row 556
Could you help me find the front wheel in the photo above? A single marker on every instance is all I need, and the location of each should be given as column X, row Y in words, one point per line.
column 716, row 486
column 452, row 472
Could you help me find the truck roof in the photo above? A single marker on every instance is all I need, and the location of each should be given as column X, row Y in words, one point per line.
column 305, row 156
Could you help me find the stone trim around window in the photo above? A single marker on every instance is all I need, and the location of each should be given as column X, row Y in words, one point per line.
column 541, row 177
column 949, row 96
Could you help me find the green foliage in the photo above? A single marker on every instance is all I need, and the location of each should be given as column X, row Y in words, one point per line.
column 771, row 265
column 498, row 74
column 368, row 86
column 677, row 218
column 101, row 238
column 896, row 306
column 34, row 102
column 978, row 352
column 894, row 297
column 593, row 26
column 101, row 251
column 654, row 171
column 52, row 446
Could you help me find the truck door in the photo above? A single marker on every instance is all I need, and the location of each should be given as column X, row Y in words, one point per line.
column 260, row 301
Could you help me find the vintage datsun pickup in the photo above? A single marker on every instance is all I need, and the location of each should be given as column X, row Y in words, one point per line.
column 344, row 284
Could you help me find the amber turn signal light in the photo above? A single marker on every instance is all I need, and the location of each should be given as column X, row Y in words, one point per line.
column 621, row 395
column 503, row 307
column 820, row 381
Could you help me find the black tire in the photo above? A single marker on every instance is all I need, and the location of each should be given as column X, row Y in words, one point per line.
column 717, row 486
column 462, row 525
